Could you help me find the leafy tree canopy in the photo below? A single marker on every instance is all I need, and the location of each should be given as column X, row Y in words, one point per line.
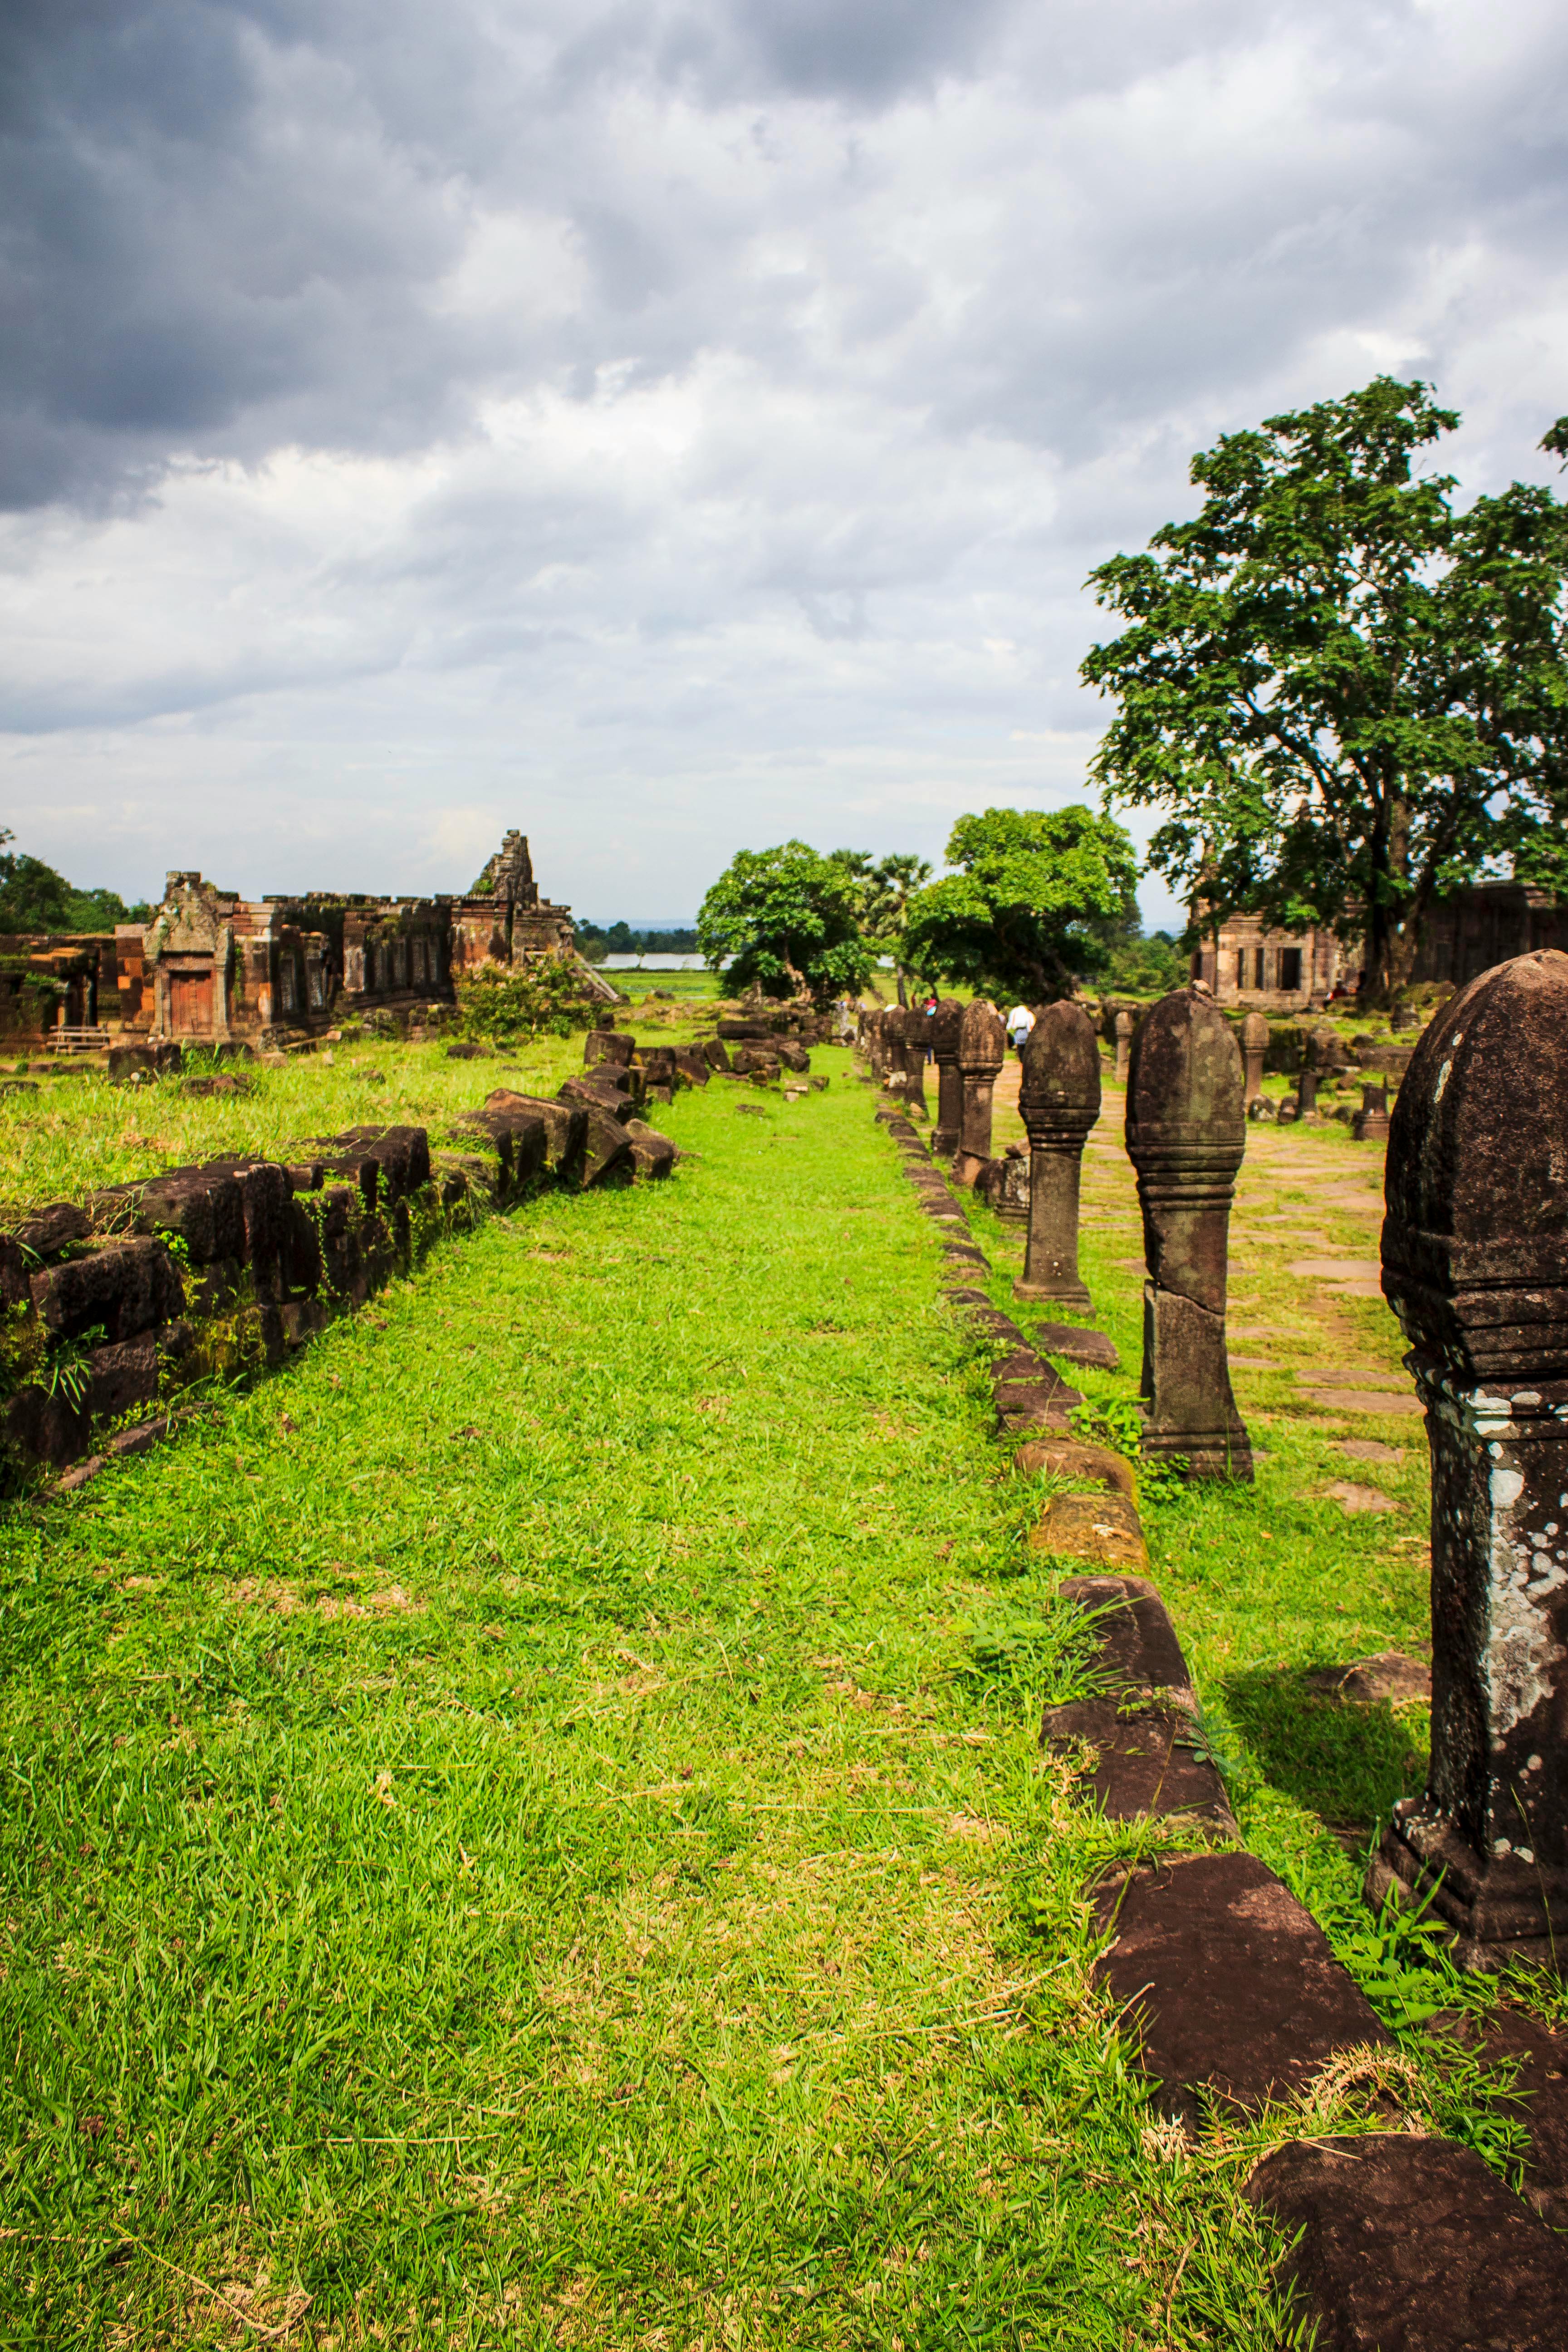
column 1346, row 696
column 884, row 887
column 790, row 917
column 1146, row 964
column 33, row 897
column 1036, row 901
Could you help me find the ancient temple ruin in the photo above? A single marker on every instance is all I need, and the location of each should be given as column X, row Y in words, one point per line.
column 214, row 967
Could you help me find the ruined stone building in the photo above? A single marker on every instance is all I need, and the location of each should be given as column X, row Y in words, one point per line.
column 214, row 966
column 1464, row 935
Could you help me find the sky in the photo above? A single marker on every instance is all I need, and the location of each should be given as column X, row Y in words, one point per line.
column 677, row 425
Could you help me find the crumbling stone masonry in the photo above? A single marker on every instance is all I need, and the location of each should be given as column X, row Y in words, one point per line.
column 117, row 1303
column 214, row 968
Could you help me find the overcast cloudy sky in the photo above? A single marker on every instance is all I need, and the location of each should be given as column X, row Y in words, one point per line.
column 675, row 424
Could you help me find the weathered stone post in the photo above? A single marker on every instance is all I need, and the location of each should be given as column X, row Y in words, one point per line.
column 1124, row 1045
column 1306, row 1092
column 910, row 1033
column 1058, row 1099
column 1186, row 1132
column 1475, row 1264
column 982, row 1050
column 945, row 1026
column 1370, row 1124
column 1254, row 1047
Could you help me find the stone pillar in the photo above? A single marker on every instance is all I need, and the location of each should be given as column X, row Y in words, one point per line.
column 944, row 1035
column 1475, row 1264
column 1370, row 1124
column 1124, row 1045
column 1059, row 1099
column 1306, row 1093
column 1254, row 1047
column 910, row 1033
column 982, row 1050
column 1186, row 1132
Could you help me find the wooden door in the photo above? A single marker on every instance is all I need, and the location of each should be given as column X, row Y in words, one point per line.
column 191, row 1004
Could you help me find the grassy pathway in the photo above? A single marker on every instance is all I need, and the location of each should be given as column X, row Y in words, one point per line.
column 530, row 1829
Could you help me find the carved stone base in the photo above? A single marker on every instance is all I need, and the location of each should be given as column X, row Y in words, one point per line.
column 1063, row 1294
column 1208, row 1453
column 944, row 1141
column 1497, row 1908
column 967, row 1166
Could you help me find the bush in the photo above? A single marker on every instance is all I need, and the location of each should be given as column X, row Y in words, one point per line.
column 547, row 998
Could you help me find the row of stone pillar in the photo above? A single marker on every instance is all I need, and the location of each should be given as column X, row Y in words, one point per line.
column 1186, row 1131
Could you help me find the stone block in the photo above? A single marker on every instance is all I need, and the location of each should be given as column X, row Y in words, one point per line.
column 265, row 1190
column 1147, row 1762
column 608, row 1046
column 1102, row 1526
column 715, row 1053
column 1078, row 1347
column 520, row 1140
column 607, row 1155
column 203, row 1206
column 599, row 1094
column 1068, row 1457
column 1408, row 2244
column 402, row 1155
column 1230, row 1983
column 44, row 1233
column 127, row 1286
column 654, row 1153
column 565, row 1124
column 121, row 1376
column 45, row 1428
column 303, row 1319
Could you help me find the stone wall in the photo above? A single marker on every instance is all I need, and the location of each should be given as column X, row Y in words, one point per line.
column 116, row 1304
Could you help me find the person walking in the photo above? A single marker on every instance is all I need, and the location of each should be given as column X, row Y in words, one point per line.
column 1020, row 1021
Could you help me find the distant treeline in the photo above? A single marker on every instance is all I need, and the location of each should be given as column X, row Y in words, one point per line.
column 33, row 897
column 595, row 940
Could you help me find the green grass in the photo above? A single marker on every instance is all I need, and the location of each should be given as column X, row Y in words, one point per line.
column 530, row 1829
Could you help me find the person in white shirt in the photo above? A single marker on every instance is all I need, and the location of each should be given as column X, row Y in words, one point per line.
column 1020, row 1021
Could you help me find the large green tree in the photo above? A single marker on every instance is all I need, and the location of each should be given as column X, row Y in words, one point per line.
column 884, row 887
column 1036, row 900
column 790, row 918
column 1345, row 695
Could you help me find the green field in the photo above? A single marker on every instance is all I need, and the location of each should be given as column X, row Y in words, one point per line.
column 530, row 1829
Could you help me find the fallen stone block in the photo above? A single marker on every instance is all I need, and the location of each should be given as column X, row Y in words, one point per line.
column 1104, row 1528
column 123, row 1375
column 607, row 1155
column 1078, row 1346
column 521, row 1141
column 566, row 1124
column 1409, row 2245
column 654, row 1154
column 402, row 1155
column 1232, row 1985
column 599, row 1094
column 608, row 1046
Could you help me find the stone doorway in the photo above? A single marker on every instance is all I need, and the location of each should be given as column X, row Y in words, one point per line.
column 191, row 1004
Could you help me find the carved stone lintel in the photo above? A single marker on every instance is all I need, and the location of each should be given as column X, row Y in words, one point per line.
column 1187, row 1133
column 1475, row 1264
column 1058, row 1099
column 945, row 1025
column 982, row 1050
